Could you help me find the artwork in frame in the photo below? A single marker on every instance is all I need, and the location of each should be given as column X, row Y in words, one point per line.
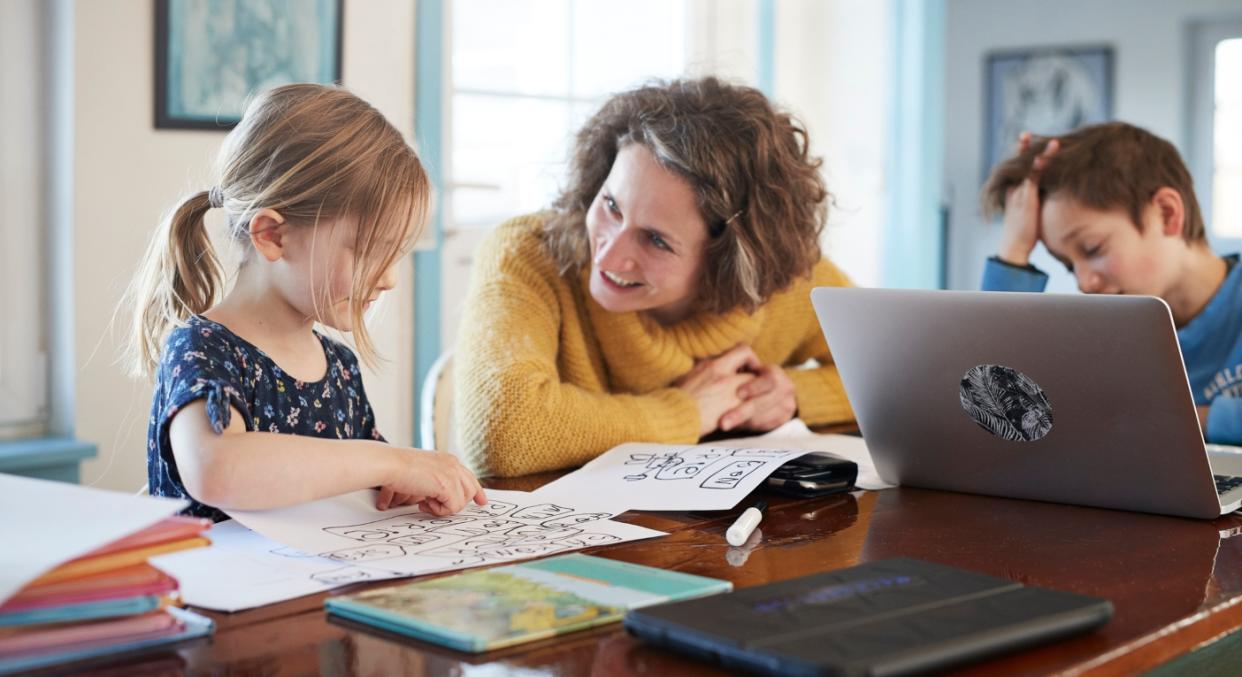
column 211, row 56
column 1045, row 91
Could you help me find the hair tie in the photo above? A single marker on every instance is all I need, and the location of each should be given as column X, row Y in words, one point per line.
column 215, row 197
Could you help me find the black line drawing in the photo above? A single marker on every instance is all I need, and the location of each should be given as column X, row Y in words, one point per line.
column 730, row 475
column 381, row 530
column 367, row 553
column 692, row 462
column 495, row 532
column 414, row 539
column 575, row 519
column 541, row 512
column 492, row 509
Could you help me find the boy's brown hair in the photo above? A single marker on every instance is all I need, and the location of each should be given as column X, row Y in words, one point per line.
column 1107, row 166
column 759, row 188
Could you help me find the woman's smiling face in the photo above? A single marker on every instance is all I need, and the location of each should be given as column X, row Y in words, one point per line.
column 647, row 238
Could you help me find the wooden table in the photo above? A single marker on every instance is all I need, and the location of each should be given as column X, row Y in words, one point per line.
column 1176, row 584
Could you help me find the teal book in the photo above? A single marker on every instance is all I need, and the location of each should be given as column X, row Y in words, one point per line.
column 492, row 608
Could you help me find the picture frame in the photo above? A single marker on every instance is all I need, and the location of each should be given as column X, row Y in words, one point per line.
column 212, row 56
column 1045, row 91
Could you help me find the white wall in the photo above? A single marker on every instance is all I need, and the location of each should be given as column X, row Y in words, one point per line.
column 1150, row 83
column 126, row 174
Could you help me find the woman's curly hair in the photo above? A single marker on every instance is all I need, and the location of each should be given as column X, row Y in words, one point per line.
column 758, row 188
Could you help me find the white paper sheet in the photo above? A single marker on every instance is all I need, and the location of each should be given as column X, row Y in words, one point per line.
column 44, row 523
column 242, row 570
column 514, row 525
column 713, row 476
column 795, row 435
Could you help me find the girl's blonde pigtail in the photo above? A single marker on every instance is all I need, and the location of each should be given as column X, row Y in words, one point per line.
column 180, row 276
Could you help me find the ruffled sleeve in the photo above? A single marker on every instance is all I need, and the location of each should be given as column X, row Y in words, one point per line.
column 200, row 364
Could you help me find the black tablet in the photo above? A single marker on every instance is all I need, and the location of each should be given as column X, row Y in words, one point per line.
column 888, row 617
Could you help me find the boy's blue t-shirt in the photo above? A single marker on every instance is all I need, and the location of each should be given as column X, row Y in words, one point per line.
column 1211, row 344
column 204, row 360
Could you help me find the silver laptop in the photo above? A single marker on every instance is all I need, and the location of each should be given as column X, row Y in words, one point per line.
column 1069, row 398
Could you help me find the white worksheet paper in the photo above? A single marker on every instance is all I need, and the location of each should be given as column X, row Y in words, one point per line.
column 45, row 523
column 243, row 569
column 712, row 476
column 795, row 435
column 514, row 525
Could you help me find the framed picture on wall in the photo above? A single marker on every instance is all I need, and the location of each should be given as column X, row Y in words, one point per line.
column 1045, row 91
column 211, row 56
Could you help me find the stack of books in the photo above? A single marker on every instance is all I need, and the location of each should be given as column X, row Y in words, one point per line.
column 107, row 601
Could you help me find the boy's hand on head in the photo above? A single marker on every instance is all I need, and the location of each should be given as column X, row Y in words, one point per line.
column 1020, row 229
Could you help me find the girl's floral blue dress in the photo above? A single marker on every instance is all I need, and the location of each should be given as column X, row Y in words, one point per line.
column 205, row 360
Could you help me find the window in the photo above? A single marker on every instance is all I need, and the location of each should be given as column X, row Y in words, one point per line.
column 1226, row 206
column 525, row 75
column 1215, row 128
column 23, row 358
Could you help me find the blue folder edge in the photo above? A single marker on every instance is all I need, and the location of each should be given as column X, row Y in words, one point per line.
column 85, row 611
column 195, row 626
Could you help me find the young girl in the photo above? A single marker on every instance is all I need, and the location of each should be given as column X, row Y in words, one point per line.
column 253, row 408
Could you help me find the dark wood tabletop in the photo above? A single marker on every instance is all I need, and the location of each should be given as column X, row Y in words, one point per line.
column 1175, row 583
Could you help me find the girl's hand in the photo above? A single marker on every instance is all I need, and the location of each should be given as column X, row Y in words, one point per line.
column 768, row 402
column 434, row 480
column 1020, row 230
column 714, row 384
column 391, row 499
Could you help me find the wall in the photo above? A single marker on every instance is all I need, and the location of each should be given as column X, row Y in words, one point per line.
column 125, row 174
column 1150, row 85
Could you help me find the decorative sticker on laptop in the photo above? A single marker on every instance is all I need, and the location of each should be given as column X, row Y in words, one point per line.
column 1006, row 403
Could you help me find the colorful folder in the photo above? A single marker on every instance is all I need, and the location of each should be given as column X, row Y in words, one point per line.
column 107, row 601
column 93, row 642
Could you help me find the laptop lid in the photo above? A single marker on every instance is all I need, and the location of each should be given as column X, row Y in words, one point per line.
column 1069, row 398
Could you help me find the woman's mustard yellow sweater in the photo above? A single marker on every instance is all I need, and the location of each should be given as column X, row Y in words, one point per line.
column 545, row 378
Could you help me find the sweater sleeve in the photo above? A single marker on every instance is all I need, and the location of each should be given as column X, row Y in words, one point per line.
column 1224, row 421
column 514, row 414
column 1000, row 275
column 818, row 389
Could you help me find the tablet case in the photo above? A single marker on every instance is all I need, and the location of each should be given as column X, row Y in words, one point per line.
column 888, row 617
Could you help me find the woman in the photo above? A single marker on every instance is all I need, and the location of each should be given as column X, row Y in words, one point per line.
column 665, row 296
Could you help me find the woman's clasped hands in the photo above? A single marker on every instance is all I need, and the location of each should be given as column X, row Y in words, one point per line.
column 735, row 390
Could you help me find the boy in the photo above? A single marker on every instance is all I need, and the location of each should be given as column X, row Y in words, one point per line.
column 1116, row 205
